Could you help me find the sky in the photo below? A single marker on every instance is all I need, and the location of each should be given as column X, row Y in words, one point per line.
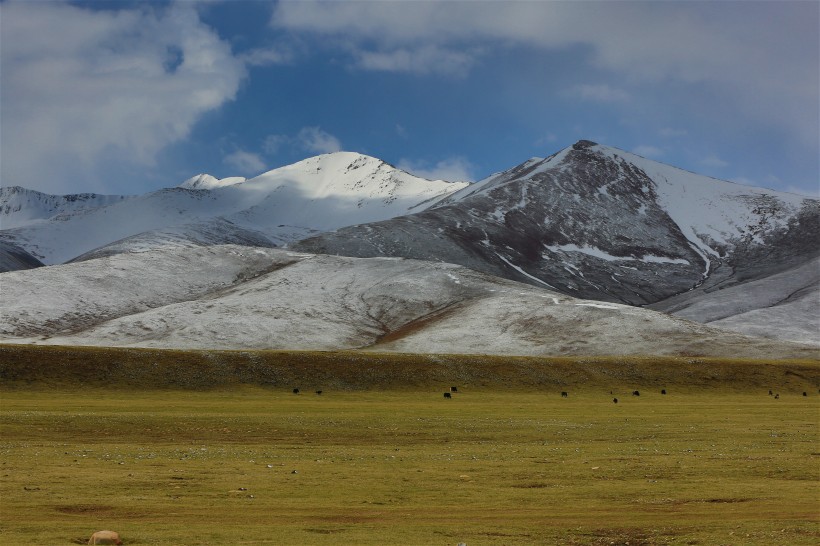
column 124, row 97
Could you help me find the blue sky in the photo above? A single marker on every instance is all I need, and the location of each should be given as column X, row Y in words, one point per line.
column 128, row 97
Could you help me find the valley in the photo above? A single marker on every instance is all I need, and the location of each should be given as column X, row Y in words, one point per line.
column 406, row 466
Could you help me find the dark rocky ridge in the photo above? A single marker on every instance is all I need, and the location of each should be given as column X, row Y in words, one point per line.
column 523, row 224
column 14, row 258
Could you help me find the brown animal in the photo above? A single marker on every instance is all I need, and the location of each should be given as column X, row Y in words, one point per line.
column 105, row 537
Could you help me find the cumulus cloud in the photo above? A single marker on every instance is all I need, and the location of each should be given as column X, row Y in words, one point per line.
column 266, row 56
column 452, row 169
column 309, row 139
column 763, row 55
column 273, row 143
column 423, row 60
column 83, row 87
column 245, row 162
column 315, row 140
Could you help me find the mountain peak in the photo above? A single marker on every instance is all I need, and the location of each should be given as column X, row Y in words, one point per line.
column 335, row 162
column 583, row 144
column 355, row 176
column 208, row 182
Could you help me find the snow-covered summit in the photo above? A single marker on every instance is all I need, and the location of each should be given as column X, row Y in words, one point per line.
column 709, row 208
column 20, row 206
column 352, row 175
column 208, row 182
column 280, row 206
column 597, row 222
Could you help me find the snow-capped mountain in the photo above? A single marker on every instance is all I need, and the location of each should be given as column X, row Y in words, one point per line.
column 208, row 182
column 20, row 207
column 597, row 222
column 238, row 297
column 590, row 221
column 318, row 194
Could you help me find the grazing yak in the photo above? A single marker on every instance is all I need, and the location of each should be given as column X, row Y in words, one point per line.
column 105, row 537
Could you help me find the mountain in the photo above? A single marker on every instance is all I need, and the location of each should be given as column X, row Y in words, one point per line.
column 238, row 297
column 280, row 206
column 13, row 258
column 20, row 206
column 589, row 221
column 785, row 305
column 599, row 223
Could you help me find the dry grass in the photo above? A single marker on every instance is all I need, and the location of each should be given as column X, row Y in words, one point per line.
column 715, row 461
column 55, row 366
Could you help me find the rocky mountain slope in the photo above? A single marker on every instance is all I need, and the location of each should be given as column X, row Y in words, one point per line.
column 785, row 305
column 599, row 223
column 315, row 195
column 236, row 297
column 590, row 221
column 13, row 258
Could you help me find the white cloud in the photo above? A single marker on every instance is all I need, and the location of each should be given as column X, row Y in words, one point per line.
column 423, row 60
column 648, row 151
column 308, row 139
column 315, row 140
column 599, row 93
column 452, row 169
column 273, row 143
column 713, row 160
column 266, row 57
column 245, row 162
column 81, row 88
column 763, row 56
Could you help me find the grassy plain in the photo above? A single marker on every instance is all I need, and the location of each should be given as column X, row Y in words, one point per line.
column 499, row 463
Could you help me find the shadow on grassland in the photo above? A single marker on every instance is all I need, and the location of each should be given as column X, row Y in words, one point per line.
column 27, row 366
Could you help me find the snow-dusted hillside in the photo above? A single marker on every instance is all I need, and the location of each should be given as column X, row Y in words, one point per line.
column 318, row 194
column 783, row 306
column 20, row 207
column 233, row 297
column 72, row 297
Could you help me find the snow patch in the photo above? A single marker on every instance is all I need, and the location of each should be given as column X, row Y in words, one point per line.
column 536, row 279
column 596, row 305
column 600, row 254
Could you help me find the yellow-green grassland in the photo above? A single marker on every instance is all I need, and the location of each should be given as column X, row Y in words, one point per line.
column 206, row 447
